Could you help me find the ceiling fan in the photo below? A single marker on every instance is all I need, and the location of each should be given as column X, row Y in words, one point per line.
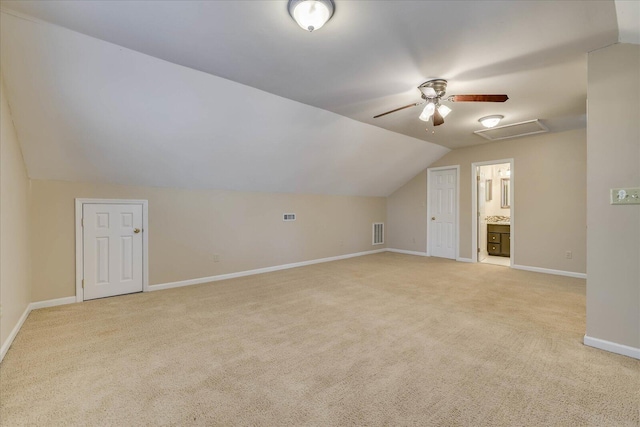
column 432, row 94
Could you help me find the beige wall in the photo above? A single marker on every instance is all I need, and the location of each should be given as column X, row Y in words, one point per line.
column 613, row 140
column 187, row 227
column 406, row 215
column 549, row 179
column 15, row 292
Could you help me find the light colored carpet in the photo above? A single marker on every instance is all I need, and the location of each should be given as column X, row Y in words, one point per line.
column 385, row 339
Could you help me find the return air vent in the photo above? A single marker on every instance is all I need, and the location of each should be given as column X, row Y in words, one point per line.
column 378, row 233
column 289, row 217
column 530, row 127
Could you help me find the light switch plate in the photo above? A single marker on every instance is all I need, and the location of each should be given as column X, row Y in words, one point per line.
column 625, row 196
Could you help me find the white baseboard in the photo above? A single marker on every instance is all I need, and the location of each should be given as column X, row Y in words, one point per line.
column 402, row 251
column 612, row 347
column 14, row 332
column 32, row 306
column 257, row 271
column 464, row 260
column 52, row 303
column 550, row 271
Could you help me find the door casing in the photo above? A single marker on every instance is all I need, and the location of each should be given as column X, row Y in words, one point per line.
column 482, row 189
column 457, row 209
column 79, row 240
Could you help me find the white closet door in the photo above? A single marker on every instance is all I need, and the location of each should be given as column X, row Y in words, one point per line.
column 112, row 239
column 443, row 213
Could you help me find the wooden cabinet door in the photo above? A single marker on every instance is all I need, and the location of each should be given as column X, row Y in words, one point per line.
column 506, row 244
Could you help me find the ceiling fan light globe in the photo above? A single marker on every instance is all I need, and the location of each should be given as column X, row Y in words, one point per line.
column 428, row 111
column 444, row 110
column 424, row 117
column 311, row 15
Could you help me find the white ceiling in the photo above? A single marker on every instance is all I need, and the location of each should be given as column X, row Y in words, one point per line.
column 212, row 94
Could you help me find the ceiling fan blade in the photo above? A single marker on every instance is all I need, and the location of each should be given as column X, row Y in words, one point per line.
column 437, row 118
column 398, row 109
column 477, row 98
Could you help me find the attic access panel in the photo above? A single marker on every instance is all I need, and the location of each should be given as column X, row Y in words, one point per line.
column 515, row 130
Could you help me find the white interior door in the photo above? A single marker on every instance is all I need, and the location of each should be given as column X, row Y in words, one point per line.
column 443, row 201
column 112, row 249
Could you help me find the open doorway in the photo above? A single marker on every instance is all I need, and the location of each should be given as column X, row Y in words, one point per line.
column 492, row 200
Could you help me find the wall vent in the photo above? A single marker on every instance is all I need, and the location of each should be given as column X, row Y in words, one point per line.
column 378, row 233
column 530, row 127
column 289, row 217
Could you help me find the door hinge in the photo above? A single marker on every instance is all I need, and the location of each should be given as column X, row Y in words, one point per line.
column 478, row 250
column 82, row 283
column 81, row 222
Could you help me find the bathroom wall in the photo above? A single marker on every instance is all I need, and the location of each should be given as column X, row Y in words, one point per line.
column 494, row 207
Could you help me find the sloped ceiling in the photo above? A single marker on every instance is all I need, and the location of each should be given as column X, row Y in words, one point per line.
column 88, row 110
column 372, row 55
column 134, row 92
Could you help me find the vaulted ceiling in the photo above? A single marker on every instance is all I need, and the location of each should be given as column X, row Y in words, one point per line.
column 233, row 94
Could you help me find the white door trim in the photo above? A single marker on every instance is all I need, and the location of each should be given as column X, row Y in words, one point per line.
column 79, row 244
column 457, row 220
column 474, row 208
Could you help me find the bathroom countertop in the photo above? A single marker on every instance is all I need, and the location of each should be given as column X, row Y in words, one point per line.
column 498, row 220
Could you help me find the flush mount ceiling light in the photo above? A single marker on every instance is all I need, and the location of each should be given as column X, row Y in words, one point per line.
column 491, row 121
column 311, row 15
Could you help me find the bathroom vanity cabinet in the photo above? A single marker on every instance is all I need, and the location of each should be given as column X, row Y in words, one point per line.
column 499, row 239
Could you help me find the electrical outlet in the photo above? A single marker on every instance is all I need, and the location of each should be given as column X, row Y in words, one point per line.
column 625, row 196
column 568, row 255
column 216, row 257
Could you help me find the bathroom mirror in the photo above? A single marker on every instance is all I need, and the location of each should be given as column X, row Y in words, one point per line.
column 505, row 202
column 488, row 194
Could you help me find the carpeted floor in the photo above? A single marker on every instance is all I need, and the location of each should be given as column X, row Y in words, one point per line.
column 385, row 339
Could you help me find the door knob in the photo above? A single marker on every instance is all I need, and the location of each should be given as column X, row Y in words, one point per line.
column 433, row 218
column 136, row 230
